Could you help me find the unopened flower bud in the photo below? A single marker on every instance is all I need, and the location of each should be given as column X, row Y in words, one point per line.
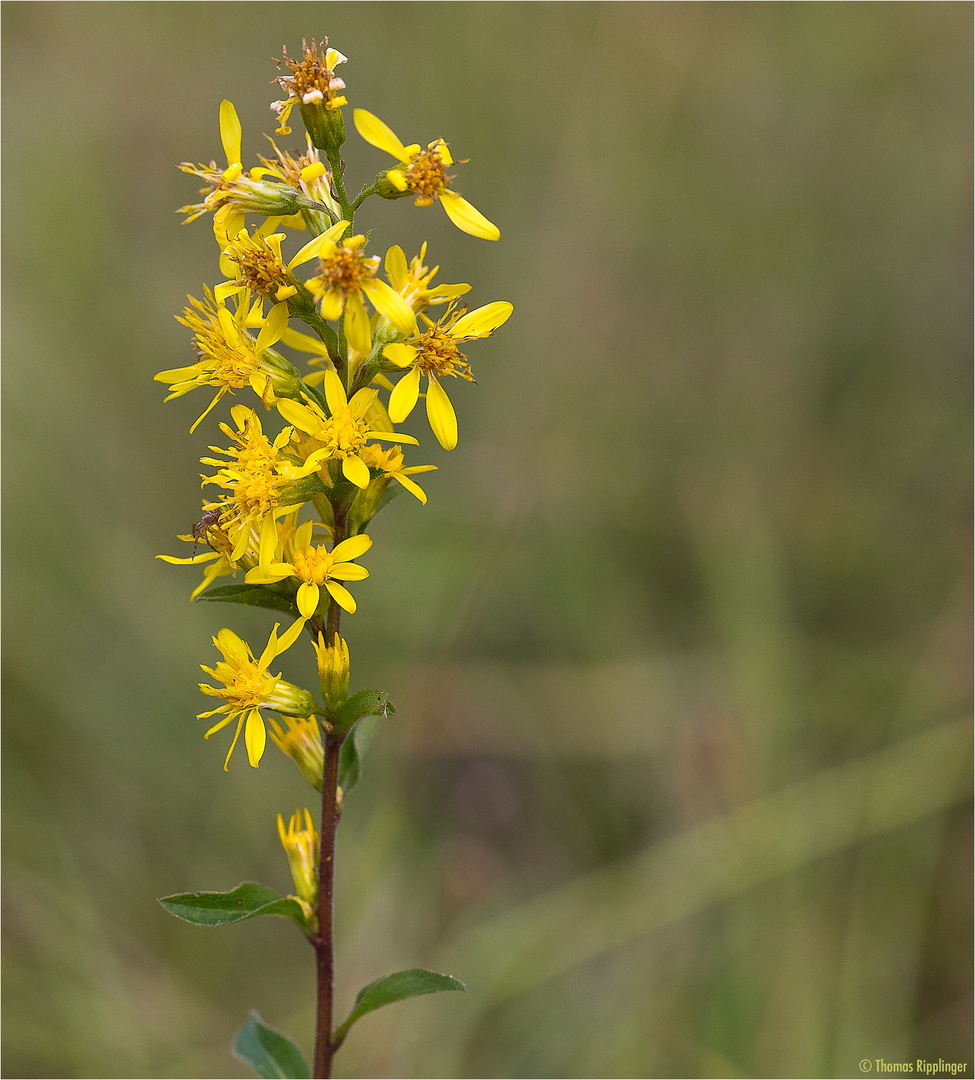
column 302, row 742
column 333, row 670
column 301, row 845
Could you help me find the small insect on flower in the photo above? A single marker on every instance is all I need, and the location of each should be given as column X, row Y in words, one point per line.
column 203, row 526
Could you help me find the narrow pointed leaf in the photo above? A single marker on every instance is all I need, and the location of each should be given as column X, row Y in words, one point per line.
column 269, row 1052
column 396, row 987
column 250, row 596
column 247, row 901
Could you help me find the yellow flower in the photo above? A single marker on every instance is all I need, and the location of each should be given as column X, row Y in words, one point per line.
column 312, row 83
column 301, row 845
column 414, row 281
column 435, row 354
column 345, row 276
column 307, row 174
column 260, row 265
column 249, row 687
column 302, row 742
column 341, row 436
column 218, row 558
column 389, row 462
column 315, row 566
column 257, row 476
column 423, row 172
column 231, row 193
column 333, row 671
column 229, row 357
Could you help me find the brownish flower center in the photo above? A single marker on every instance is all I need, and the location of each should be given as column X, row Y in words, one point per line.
column 344, row 270
column 426, row 176
column 260, row 268
column 438, row 353
column 309, row 73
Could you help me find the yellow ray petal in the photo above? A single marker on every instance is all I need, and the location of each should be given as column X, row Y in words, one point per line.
column 396, row 266
column 357, row 328
column 356, row 471
column 352, row 548
column 299, row 415
column 387, row 301
column 230, row 132
column 374, row 131
column 482, row 321
column 274, row 327
column 440, row 413
column 348, row 571
column 334, row 392
column 294, row 632
column 255, row 737
column 411, row 486
column 317, row 244
column 307, row 598
column 399, row 353
column 341, row 596
column 403, row 398
column 467, row 217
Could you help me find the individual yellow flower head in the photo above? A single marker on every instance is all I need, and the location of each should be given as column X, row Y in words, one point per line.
column 414, row 281
column 260, row 265
column 345, row 276
column 423, row 172
column 229, row 357
column 218, row 558
column 231, row 193
column 248, row 687
column 342, row 435
column 256, row 476
column 301, row 845
column 312, row 82
column 435, row 354
column 316, row 566
column 307, row 174
column 389, row 462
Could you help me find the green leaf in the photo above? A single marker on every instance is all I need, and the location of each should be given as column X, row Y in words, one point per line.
column 396, row 987
column 365, row 703
column 247, row 901
column 350, row 764
column 252, row 596
column 269, row 1052
column 350, row 757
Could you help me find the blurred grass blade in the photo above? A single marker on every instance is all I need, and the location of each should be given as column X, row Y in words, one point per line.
column 710, row 863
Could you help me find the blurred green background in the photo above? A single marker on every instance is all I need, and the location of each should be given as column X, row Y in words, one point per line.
column 680, row 775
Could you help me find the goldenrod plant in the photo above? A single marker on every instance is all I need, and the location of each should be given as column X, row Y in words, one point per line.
column 308, row 458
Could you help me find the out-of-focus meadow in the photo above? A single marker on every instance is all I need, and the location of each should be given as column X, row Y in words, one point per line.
column 679, row 778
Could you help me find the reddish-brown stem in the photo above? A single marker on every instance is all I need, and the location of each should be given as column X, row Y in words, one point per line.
column 324, row 942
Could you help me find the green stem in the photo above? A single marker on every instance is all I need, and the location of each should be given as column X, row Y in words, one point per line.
column 338, row 168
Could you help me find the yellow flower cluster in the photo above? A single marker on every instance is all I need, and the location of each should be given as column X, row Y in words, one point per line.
column 334, row 344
